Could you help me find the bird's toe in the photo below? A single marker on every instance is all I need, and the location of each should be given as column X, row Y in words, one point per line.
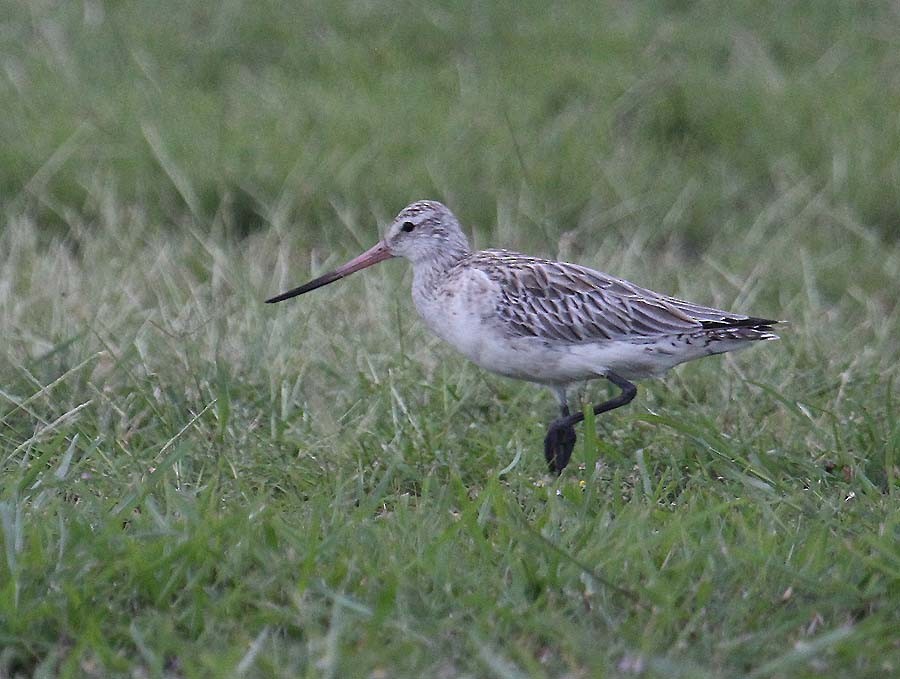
column 558, row 446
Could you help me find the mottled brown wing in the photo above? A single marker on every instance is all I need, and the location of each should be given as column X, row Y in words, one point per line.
column 571, row 303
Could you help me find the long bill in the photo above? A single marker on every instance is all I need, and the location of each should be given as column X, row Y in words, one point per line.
column 373, row 255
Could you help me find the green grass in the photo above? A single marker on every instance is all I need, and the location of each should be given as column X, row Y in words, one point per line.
column 197, row 484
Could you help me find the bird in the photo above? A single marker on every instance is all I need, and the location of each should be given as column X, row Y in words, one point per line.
column 546, row 322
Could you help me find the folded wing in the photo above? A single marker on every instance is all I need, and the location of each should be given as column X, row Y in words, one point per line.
column 571, row 303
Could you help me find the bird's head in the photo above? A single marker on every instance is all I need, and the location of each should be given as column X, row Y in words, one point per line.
column 423, row 232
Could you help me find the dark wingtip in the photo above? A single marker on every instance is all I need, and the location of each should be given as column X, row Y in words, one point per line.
column 753, row 323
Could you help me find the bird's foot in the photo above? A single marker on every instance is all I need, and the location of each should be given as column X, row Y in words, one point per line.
column 558, row 446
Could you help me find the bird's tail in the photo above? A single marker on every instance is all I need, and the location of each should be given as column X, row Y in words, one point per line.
column 742, row 329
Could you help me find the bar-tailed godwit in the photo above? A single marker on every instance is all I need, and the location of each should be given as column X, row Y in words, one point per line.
column 547, row 322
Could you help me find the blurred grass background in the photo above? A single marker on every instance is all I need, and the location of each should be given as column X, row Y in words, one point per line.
column 195, row 484
column 271, row 113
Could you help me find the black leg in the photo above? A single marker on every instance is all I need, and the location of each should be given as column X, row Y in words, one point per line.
column 560, row 439
column 559, row 442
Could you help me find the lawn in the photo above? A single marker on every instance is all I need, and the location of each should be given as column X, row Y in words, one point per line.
column 196, row 484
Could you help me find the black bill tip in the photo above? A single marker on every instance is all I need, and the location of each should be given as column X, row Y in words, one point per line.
column 378, row 253
column 312, row 285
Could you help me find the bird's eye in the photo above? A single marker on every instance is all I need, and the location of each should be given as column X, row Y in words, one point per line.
column 407, row 227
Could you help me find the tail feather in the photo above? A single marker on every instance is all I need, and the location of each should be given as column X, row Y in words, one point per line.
column 742, row 333
column 751, row 322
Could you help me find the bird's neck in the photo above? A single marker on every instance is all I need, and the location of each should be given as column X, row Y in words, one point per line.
column 429, row 271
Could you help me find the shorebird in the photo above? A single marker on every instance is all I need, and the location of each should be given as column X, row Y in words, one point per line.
column 548, row 322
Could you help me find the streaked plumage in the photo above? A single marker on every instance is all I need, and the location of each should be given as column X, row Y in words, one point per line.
column 548, row 322
column 571, row 303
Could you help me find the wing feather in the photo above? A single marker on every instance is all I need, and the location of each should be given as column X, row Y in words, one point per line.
column 571, row 303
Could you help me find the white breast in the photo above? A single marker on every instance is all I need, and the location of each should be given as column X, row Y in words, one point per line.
column 463, row 312
column 458, row 311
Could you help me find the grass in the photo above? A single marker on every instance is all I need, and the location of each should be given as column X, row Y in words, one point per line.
column 197, row 484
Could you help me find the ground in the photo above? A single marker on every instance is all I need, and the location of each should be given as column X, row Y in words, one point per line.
column 198, row 484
